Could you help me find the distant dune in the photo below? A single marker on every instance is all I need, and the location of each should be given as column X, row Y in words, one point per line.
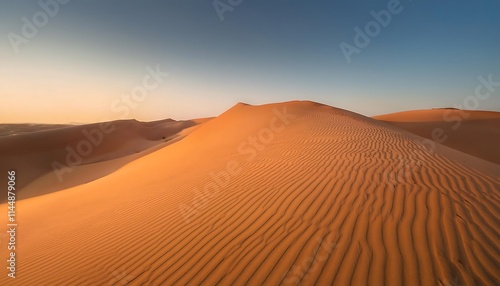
column 23, row 128
column 36, row 154
column 473, row 132
column 294, row 193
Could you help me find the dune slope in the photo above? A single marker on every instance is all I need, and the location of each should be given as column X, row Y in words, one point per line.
column 23, row 128
column 61, row 156
column 282, row 194
column 473, row 132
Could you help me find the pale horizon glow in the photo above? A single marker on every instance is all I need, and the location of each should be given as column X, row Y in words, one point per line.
column 92, row 53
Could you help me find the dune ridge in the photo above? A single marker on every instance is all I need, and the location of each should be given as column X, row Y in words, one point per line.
column 334, row 198
column 473, row 132
column 23, row 128
column 112, row 145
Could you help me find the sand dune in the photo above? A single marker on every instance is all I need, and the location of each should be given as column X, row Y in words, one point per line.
column 473, row 132
column 72, row 149
column 23, row 128
column 281, row 194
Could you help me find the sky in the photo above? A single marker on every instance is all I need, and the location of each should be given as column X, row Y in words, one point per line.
column 76, row 61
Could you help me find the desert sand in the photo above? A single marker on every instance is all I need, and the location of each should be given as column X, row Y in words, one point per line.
column 472, row 132
column 36, row 155
column 280, row 194
column 23, row 128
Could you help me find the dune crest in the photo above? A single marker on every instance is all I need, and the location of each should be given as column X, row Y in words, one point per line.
column 62, row 157
column 280, row 194
column 473, row 132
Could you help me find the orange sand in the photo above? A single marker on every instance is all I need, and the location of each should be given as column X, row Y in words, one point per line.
column 33, row 154
column 324, row 197
column 473, row 132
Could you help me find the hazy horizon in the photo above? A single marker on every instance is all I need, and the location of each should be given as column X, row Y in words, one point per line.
column 213, row 116
column 88, row 54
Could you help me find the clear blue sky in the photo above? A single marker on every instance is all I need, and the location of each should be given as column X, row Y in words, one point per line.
column 91, row 52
